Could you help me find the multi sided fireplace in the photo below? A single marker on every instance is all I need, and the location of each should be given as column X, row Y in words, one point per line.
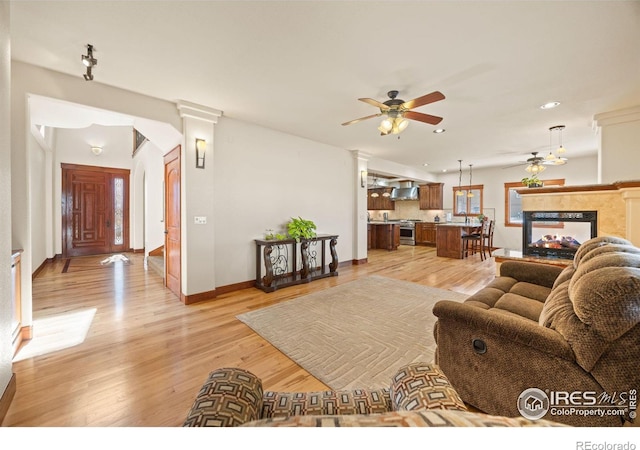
column 557, row 234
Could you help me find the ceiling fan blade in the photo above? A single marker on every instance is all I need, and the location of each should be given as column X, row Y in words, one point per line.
column 361, row 118
column 375, row 103
column 426, row 118
column 514, row 165
column 424, row 100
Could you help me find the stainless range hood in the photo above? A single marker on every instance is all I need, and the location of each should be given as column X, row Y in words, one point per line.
column 406, row 191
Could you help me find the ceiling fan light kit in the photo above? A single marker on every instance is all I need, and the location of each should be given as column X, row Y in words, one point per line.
column 398, row 112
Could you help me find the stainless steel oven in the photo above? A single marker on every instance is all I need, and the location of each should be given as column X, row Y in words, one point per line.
column 407, row 233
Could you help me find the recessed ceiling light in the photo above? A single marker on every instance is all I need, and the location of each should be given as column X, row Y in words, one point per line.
column 444, row 170
column 439, row 130
column 425, row 164
column 549, row 105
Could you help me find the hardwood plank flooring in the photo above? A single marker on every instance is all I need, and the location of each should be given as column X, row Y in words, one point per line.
column 146, row 354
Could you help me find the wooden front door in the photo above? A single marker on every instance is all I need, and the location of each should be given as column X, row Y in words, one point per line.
column 172, row 253
column 95, row 210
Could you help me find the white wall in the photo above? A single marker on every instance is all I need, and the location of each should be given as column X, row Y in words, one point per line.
column 262, row 179
column 577, row 171
column 6, row 353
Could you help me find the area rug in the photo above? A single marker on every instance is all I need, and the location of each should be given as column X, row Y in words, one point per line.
column 356, row 334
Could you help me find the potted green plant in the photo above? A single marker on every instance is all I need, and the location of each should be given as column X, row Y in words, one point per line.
column 532, row 181
column 300, row 228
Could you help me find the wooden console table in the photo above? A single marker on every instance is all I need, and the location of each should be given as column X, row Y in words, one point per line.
column 279, row 258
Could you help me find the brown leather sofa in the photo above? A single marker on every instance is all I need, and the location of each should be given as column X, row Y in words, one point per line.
column 571, row 334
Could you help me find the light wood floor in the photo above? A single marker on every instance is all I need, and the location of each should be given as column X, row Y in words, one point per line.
column 146, row 354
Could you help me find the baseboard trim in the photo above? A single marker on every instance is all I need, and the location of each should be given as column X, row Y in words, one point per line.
column 200, row 297
column 138, row 250
column 7, row 397
column 235, row 287
column 357, row 262
column 43, row 265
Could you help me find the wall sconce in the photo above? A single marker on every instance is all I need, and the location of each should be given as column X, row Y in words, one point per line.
column 96, row 150
column 201, row 148
column 363, row 178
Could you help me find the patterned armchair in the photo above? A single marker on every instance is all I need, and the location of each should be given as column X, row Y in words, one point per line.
column 419, row 395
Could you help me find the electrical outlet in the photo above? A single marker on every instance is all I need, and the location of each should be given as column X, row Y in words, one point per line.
column 200, row 220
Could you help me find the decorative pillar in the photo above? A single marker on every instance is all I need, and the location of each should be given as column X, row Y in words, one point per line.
column 631, row 199
column 619, row 137
column 197, row 193
column 360, row 165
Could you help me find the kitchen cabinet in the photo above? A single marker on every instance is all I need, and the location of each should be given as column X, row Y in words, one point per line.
column 430, row 196
column 449, row 239
column 380, row 202
column 384, row 236
column 425, row 233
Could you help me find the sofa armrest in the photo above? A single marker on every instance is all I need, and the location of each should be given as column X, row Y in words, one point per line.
column 540, row 274
column 229, row 398
column 420, row 386
column 507, row 326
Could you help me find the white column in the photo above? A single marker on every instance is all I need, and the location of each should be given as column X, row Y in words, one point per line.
column 360, row 220
column 632, row 203
column 619, row 144
column 197, row 194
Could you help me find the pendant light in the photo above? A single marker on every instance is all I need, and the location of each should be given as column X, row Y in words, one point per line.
column 469, row 193
column 557, row 158
column 459, row 192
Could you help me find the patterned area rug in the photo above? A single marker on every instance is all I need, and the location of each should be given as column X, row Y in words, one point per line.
column 357, row 334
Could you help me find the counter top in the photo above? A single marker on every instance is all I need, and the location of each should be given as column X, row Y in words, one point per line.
column 382, row 222
column 459, row 224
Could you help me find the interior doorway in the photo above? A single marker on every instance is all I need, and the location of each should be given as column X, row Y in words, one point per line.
column 172, row 247
column 95, row 210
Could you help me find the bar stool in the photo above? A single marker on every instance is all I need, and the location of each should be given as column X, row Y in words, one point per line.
column 472, row 241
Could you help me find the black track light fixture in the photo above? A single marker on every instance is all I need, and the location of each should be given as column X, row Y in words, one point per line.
column 89, row 61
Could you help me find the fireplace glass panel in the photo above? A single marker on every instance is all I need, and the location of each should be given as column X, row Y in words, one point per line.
column 552, row 241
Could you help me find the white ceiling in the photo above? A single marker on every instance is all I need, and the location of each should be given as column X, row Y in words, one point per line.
column 300, row 66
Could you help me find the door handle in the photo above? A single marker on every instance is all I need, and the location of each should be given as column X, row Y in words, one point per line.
column 166, row 231
column 108, row 223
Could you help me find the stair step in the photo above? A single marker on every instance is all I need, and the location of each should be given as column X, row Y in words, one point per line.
column 156, row 263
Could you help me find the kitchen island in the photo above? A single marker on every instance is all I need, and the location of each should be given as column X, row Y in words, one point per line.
column 449, row 238
column 383, row 235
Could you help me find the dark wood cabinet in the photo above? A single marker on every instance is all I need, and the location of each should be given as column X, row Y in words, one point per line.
column 385, row 236
column 382, row 201
column 425, row 233
column 430, row 196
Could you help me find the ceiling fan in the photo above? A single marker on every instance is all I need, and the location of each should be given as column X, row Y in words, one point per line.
column 534, row 164
column 398, row 111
